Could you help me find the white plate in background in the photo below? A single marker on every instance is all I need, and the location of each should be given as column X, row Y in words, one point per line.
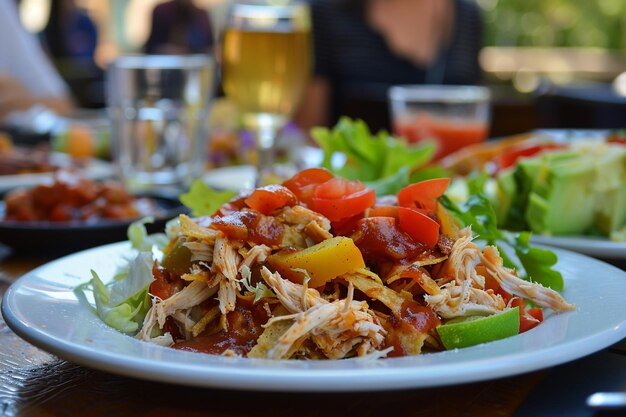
column 588, row 245
column 93, row 169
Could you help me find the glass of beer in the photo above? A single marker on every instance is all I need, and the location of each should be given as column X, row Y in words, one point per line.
column 266, row 65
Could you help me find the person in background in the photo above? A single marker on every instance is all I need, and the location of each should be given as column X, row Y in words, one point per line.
column 26, row 76
column 179, row 27
column 362, row 47
column 70, row 32
column 70, row 38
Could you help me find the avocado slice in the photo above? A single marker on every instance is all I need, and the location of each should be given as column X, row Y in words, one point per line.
column 563, row 202
column 575, row 191
column 506, row 192
column 611, row 189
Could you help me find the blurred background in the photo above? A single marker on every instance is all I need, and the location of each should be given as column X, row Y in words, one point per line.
column 550, row 63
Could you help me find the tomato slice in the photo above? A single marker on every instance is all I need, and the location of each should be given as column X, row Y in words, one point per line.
column 383, row 211
column 303, row 184
column 339, row 198
column 424, row 194
column 337, row 188
column 271, row 197
column 419, row 226
column 510, row 157
column 165, row 284
column 530, row 318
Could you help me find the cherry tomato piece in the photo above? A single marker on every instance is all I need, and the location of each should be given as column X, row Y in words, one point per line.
column 510, row 157
column 419, row 226
column 271, row 197
column 528, row 318
column 423, row 195
column 339, row 198
column 303, row 184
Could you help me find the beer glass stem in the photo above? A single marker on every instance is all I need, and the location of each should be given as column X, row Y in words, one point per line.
column 266, row 136
column 265, row 127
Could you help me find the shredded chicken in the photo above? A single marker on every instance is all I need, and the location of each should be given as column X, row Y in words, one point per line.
column 463, row 259
column 294, row 297
column 465, row 293
column 190, row 296
column 148, row 329
column 200, row 251
column 540, row 295
column 191, row 229
column 457, row 301
column 337, row 328
column 256, row 255
column 225, row 261
column 314, row 225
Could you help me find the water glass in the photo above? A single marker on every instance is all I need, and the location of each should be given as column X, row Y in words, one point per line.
column 159, row 107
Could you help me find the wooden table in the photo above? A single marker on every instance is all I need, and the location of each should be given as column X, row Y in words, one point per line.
column 35, row 383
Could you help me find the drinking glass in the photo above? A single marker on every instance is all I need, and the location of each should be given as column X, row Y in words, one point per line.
column 454, row 116
column 266, row 64
column 158, row 107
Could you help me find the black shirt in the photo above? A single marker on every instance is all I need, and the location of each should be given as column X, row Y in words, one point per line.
column 356, row 61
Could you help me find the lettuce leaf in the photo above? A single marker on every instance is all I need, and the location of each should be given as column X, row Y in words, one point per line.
column 124, row 302
column 141, row 240
column 203, row 200
column 381, row 161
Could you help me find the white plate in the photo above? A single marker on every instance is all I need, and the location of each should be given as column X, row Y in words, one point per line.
column 234, row 178
column 42, row 308
column 94, row 169
column 242, row 177
column 592, row 246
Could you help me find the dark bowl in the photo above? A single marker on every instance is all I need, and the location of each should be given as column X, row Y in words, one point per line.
column 52, row 239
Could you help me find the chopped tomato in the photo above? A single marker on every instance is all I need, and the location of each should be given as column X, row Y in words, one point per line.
column 528, row 318
column 510, row 157
column 617, row 140
column 303, row 184
column 165, row 284
column 234, row 205
column 419, row 226
column 345, row 227
column 380, row 239
column 339, row 199
column 271, row 197
column 422, row 318
column 424, row 194
column 383, row 211
column 337, row 188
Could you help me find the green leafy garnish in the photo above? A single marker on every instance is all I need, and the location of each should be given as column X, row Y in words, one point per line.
column 259, row 290
column 477, row 212
column 383, row 162
column 203, row 200
column 141, row 240
column 124, row 302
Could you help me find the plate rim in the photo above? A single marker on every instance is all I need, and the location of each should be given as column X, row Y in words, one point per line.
column 290, row 379
column 595, row 246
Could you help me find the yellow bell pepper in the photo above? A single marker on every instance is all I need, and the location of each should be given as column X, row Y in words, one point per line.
column 322, row 262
